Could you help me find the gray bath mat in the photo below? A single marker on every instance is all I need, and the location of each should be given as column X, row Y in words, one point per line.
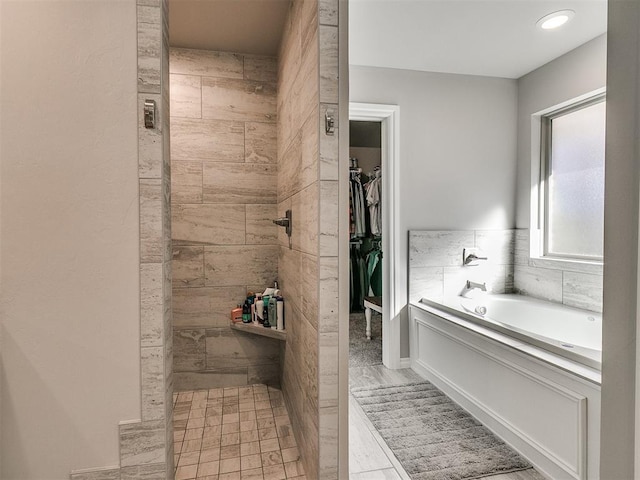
column 363, row 352
column 432, row 437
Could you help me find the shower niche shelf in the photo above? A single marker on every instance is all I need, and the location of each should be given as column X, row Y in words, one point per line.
column 260, row 330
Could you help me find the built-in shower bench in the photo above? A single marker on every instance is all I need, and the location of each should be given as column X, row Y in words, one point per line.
column 260, row 330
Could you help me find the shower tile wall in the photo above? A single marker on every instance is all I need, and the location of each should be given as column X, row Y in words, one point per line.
column 299, row 190
column 571, row 285
column 224, row 181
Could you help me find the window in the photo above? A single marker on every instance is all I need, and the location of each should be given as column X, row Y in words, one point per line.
column 573, row 144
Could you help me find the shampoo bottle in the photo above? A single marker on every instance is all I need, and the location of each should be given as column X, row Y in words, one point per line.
column 259, row 310
column 273, row 314
column 266, row 323
column 280, row 313
column 246, row 312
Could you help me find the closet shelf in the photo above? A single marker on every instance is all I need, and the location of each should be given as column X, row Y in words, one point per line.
column 260, row 330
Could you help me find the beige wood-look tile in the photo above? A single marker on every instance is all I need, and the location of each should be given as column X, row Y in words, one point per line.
column 269, row 445
column 294, row 469
column 308, row 168
column 306, row 88
column 210, row 455
column 246, row 416
column 208, row 224
column 254, row 474
column 261, row 68
column 308, row 26
column 151, row 240
column 207, row 140
column 249, row 462
column 328, row 14
column 229, row 476
column 309, row 287
column 250, row 448
column 230, row 465
column 186, row 182
column 244, row 100
column 239, row 183
column 186, row 472
column 191, row 458
column 260, row 228
column 151, row 306
column 270, row 459
column 149, row 51
column 287, row 442
column 152, row 382
column 329, row 164
column 229, row 451
column 274, row 472
column 188, row 266
column 260, row 142
column 227, row 265
column 304, row 206
column 328, row 64
column 249, row 436
column 329, row 216
column 288, row 169
column 208, row 468
column 186, row 96
column 205, row 63
column 290, row 454
column 204, row 306
column 231, row 428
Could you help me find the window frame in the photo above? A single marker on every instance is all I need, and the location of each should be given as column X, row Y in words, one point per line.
column 545, row 165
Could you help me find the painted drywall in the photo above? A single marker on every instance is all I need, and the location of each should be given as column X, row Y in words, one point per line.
column 457, row 152
column 70, row 244
column 619, row 453
column 576, row 73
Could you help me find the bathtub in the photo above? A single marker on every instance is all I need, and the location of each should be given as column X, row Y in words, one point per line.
column 527, row 369
column 569, row 332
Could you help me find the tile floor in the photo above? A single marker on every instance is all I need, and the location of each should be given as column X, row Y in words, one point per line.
column 239, row 433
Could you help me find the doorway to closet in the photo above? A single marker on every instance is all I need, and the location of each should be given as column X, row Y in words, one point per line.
column 365, row 243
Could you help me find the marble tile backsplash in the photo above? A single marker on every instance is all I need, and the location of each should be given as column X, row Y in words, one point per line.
column 436, row 271
column 224, row 193
column 436, row 266
column 570, row 283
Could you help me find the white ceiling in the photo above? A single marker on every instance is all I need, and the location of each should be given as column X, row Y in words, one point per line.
column 243, row 26
column 497, row 38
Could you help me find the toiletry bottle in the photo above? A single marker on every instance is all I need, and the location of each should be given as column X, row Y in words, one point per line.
column 266, row 323
column 251, row 298
column 280, row 313
column 236, row 314
column 246, row 312
column 259, row 310
column 273, row 318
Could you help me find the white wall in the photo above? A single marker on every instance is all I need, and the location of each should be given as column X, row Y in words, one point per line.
column 457, row 152
column 69, row 238
column 576, row 73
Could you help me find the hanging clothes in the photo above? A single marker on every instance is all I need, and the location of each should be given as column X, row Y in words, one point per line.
column 357, row 205
column 374, row 272
column 373, row 191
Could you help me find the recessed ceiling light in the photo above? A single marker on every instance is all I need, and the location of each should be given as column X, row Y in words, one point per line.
column 555, row 19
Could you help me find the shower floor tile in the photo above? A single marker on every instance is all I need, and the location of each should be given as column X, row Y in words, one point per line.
column 234, row 433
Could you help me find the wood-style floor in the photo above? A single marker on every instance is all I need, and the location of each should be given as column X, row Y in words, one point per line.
column 369, row 456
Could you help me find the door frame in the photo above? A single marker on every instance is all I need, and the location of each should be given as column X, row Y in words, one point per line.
column 388, row 116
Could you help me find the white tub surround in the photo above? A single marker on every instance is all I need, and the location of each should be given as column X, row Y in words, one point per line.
column 545, row 406
column 568, row 332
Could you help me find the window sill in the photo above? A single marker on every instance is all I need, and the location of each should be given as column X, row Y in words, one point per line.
column 581, row 266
